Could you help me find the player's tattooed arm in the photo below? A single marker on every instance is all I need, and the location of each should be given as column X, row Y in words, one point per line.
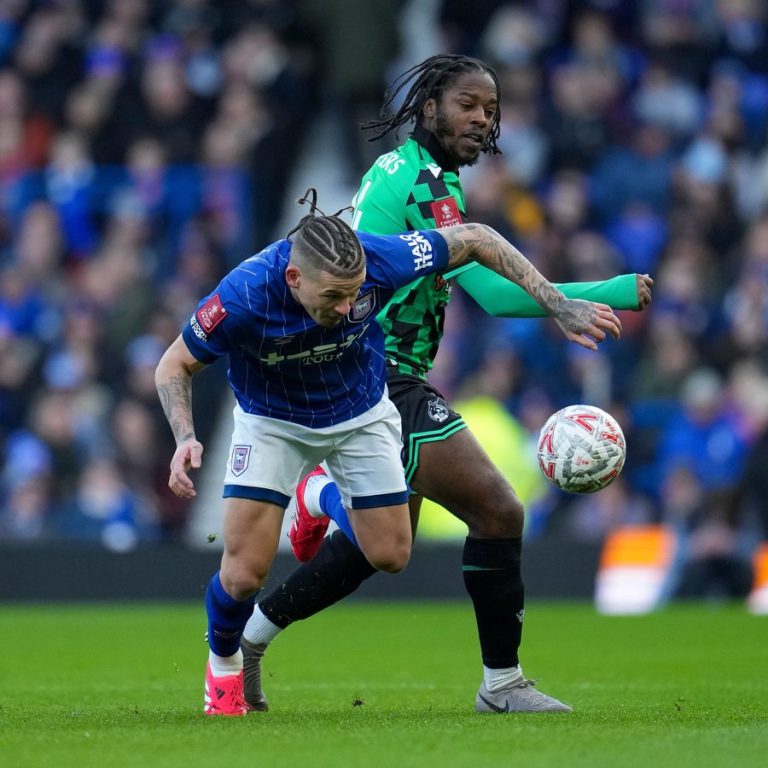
column 584, row 322
column 173, row 379
column 480, row 243
column 176, row 399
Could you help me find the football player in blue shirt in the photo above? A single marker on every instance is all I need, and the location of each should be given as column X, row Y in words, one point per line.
column 307, row 367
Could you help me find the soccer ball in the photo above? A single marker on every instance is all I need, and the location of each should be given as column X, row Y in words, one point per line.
column 581, row 449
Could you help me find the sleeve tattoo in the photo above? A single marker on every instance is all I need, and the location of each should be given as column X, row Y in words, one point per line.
column 176, row 399
column 478, row 242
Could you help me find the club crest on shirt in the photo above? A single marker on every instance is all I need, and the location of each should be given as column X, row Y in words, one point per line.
column 211, row 313
column 437, row 410
column 240, row 456
column 445, row 212
column 363, row 307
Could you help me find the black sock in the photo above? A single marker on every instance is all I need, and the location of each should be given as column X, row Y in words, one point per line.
column 491, row 569
column 336, row 571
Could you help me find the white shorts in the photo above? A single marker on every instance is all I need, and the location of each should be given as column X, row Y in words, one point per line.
column 268, row 457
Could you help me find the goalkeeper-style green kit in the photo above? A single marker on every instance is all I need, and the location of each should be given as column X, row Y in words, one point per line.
column 415, row 187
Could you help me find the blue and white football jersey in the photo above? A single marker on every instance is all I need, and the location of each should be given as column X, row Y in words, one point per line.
column 284, row 365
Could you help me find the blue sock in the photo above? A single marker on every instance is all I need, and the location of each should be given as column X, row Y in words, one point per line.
column 333, row 506
column 226, row 618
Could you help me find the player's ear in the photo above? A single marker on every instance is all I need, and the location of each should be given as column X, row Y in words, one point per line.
column 429, row 108
column 292, row 275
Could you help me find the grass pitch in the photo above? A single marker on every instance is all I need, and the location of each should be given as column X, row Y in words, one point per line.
column 385, row 685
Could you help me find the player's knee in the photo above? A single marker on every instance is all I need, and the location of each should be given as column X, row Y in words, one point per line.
column 500, row 520
column 513, row 514
column 391, row 564
column 390, row 559
column 242, row 580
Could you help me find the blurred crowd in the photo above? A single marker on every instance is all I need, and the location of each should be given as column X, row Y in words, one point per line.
column 145, row 148
column 634, row 139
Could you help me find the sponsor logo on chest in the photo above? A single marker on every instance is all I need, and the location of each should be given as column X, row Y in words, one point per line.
column 320, row 353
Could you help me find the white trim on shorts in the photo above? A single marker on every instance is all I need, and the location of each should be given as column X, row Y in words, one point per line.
column 268, row 457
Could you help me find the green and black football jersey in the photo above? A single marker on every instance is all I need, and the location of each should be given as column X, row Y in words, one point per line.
column 409, row 189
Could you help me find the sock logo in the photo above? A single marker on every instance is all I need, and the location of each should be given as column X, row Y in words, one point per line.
column 520, row 615
column 224, row 635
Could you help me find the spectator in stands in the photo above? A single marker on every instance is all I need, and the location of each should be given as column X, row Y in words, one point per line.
column 147, row 148
column 705, row 440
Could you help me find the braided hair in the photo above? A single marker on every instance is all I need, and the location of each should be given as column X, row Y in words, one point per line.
column 429, row 81
column 327, row 243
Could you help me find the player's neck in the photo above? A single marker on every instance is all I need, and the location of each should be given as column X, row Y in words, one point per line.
column 429, row 141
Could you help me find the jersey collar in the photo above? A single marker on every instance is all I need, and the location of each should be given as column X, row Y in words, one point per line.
column 429, row 141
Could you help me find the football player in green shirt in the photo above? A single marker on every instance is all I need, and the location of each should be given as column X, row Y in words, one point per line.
column 454, row 101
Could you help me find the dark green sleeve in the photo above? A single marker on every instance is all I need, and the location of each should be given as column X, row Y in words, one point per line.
column 501, row 298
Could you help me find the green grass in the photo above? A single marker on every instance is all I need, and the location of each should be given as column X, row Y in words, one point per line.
column 385, row 685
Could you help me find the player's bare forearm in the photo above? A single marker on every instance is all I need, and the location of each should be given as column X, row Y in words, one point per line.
column 173, row 380
column 484, row 245
column 176, row 398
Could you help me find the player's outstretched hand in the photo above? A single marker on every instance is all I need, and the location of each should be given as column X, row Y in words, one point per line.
column 644, row 285
column 188, row 455
column 587, row 323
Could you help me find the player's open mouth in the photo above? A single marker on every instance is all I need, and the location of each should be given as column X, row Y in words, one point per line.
column 474, row 138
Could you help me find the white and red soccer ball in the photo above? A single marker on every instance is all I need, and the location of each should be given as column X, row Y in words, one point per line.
column 581, row 449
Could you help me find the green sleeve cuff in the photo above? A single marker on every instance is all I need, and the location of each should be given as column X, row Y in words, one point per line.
column 502, row 298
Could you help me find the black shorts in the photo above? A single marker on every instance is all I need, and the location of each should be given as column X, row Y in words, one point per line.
column 425, row 414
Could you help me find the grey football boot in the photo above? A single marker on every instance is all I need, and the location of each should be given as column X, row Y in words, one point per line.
column 520, row 696
column 253, row 653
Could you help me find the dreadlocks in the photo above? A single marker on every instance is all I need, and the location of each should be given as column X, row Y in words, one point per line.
column 326, row 242
column 430, row 79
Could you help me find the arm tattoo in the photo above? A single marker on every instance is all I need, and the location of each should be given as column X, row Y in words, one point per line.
column 176, row 399
column 484, row 245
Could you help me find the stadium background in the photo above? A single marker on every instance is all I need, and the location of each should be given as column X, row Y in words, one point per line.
column 145, row 148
